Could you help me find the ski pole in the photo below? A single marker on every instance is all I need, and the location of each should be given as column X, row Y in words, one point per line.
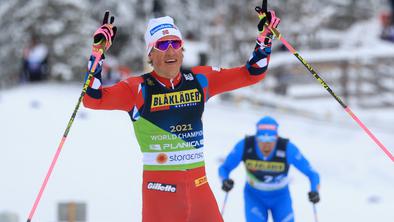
column 324, row 84
column 224, row 203
column 97, row 52
column 337, row 98
column 315, row 212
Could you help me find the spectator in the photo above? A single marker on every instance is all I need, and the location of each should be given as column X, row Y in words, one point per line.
column 387, row 26
column 157, row 8
column 35, row 61
column 282, row 78
column 392, row 8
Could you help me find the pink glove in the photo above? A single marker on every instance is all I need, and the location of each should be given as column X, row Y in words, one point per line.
column 104, row 36
column 268, row 20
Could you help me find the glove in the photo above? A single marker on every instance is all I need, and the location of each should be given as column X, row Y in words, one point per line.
column 268, row 20
column 105, row 35
column 314, row 197
column 227, row 185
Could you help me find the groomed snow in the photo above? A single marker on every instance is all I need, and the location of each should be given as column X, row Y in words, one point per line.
column 100, row 163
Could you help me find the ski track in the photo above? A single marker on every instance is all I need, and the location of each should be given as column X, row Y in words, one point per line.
column 100, row 163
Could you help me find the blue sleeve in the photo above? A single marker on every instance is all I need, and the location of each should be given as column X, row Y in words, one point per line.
column 258, row 62
column 94, row 92
column 232, row 160
column 295, row 157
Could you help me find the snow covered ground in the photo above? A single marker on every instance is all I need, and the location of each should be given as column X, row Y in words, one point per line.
column 100, row 163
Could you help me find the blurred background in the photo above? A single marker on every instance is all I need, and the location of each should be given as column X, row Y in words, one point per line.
column 45, row 45
column 221, row 33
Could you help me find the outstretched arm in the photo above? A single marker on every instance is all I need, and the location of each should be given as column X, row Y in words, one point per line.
column 295, row 157
column 121, row 96
column 222, row 80
column 232, row 160
column 118, row 97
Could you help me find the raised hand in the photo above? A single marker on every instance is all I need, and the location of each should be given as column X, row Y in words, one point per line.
column 105, row 35
column 268, row 20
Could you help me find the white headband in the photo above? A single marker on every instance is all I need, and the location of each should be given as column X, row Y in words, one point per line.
column 158, row 28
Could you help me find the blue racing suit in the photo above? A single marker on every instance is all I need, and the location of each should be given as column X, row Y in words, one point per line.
column 267, row 182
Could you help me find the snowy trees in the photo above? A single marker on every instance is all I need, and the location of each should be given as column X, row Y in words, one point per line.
column 228, row 26
column 61, row 25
